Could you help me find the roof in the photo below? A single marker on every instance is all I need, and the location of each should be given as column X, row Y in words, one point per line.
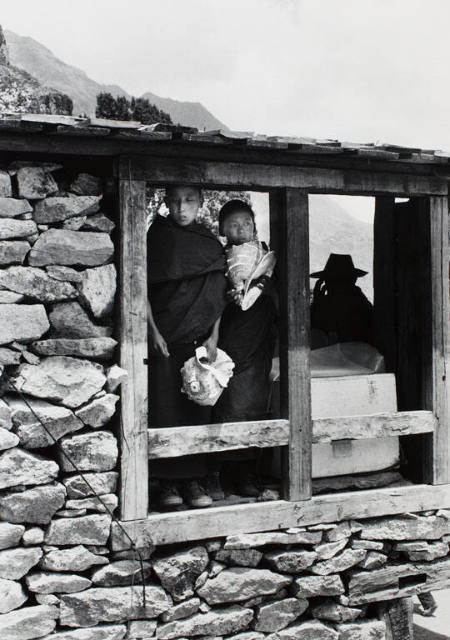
column 130, row 130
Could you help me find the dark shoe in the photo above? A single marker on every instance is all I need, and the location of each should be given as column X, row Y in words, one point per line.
column 246, row 486
column 213, row 486
column 196, row 496
column 169, row 495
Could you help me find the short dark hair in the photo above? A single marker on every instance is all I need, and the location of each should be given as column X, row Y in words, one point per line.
column 169, row 187
column 231, row 207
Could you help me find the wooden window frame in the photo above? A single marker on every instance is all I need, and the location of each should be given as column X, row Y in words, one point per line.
column 289, row 188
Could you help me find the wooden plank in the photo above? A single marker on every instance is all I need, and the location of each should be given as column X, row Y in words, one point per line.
column 217, row 522
column 133, row 349
column 212, row 438
column 438, row 383
column 266, row 176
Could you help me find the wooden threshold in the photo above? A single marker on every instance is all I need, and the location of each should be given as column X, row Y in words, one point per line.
column 179, row 441
column 217, row 522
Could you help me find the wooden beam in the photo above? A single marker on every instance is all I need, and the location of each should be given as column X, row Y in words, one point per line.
column 218, row 522
column 133, row 349
column 213, row 438
column 161, row 171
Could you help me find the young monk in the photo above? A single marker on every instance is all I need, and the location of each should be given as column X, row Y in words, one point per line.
column 186, row 297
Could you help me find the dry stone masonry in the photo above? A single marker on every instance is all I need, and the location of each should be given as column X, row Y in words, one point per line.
column 59, row 576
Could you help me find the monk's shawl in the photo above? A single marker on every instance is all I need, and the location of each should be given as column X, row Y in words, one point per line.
column 186, row 281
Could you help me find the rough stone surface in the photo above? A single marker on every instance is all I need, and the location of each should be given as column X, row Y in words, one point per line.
column 24, row 322
column 9, row 356
column 65, row 247
column 338, row 532
column 86, row 185
column 341, row 562
column 114, row 604
column 90, row 451
column 182, row 610
column 7, row 439
column 57, row 209
column 95, row 348
column 21, row 467
column 33, row 536
column 36, row 505
column 432, row 551
column 405, row 528
column 239, row 557
column 46, row 582
column 58, row 421
column 292, row 561
column 309, row 630
column 100, row 483
column 250, row 540
column 370, row 630
column 15, row 563
column 11, row 228
column 98, row 288
column 12, row 595
column 75, row 223
column 11, row 207
column 328, row 550
column 237, row 584
column 92, row 529
column 63, row 274
column 99, row 222
column 274, row 616
column 115, row 376
column 104, row 504
column 369, row 545
column 10, row 297
column 5, row 416
column 121, row 573
column 34, row 183
column 335, row 612
column 99, row 411
column 313, row 586
column 220, row 621
column 100, row 632
column 28, row 622
column 10, row 534
column 178, row 572
column 375, row 560
column 13, row 251
column 76, row 558
column 70, row 320
column 62, row 379
column 37, row 284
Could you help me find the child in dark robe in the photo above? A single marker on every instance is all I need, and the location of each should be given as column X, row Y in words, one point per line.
column 186, row 297
column 248, row 337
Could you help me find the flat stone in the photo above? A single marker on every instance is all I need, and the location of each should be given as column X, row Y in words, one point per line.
column 57, row 208
column 10, row 297
column 70, row 320
column 238, row 584
column 92, row 529
column 313, row 586
column 86, row 185
column 46, row 582
column 98, row 288
column 370, row 545
column 115, row 376
column 9, row 356
column 99, row 483
column 63, row 274
column 375, row 560
column 35, row 505
column 144, row 629
column 178, row 572
column 11, row 228
column 5, row 185
column 15, row 563
column 95, row 451
column 341, row 562
column 434, row 550
column 121, row 573
column 65, row 247
column 99, row 222
column 223, row 621
column 100, row 632
column 34, row 183
column 37, row 284
column 182, row 610
column 292, row 561
column 130, row 554
column 106, row 503
column 28, row 622
column 99, row 411
column 11, row 207
column 216, row 567
column 274, row 616
column 339, row 532
column 335, row 612
column 12, row 595
column 113, row 604
column 49, row 167
column 70, row 513
column 328, row 550
column 27, row 418
column 47, row 598
column 76, row 558
column 367, row 630
column 75, row 223
column 309, row 630
column 247, row 635
column 21, row 467
column 24, row 322
column 13, row 251
column 62, row 379
column 5, row 416
column 10, row 534
column 8, row 440
column 33, row 536
column 239, row 557
column 405, row 528
column 250, row 540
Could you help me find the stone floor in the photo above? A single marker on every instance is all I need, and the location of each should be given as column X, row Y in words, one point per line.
column 438, row 626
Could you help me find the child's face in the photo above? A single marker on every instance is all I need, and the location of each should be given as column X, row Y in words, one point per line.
column 183, row 204
column 239, row 227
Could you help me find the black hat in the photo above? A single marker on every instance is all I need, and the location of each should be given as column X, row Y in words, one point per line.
column 339, row 267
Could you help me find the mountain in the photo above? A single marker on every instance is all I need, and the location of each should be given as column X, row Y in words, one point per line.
column 40, row 62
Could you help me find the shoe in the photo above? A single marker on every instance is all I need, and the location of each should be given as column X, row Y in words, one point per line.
column 196, row 496
column 169, row 495
column 246, row 486
column 213, row 486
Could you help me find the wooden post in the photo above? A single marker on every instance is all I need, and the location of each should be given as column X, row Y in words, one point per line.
column 133, row 348
column 295, row 338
